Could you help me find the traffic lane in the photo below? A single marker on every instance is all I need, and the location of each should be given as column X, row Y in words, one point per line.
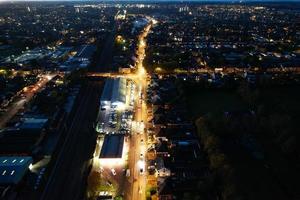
column 132, row 185
column 131, row 165
column 20, row 102
column 141, row 186
column 135, row 169
column 142, row 177
column 138, row 187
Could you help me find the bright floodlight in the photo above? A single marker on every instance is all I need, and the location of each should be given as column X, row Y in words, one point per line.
column 48, row 77
column 141, row 71
column 141, row 164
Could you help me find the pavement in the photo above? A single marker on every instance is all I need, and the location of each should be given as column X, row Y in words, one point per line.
column 138, row 182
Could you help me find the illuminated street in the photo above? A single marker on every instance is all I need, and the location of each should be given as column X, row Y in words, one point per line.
column 149, row 100
column 139, row 148
column 25, row 96
column 135, row 183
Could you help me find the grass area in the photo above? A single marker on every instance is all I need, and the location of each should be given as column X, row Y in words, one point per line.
column 274, row 128
column 285, row 98
column 201, row 101
column 149, row 190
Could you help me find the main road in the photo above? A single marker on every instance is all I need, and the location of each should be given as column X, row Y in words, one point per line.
column 138, row 144
column 19, row 102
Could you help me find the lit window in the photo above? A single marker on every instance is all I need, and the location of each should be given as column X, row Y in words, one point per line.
column 4, row 172
column 12, row 172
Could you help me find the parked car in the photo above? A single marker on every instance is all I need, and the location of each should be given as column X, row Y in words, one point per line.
column 113, row 171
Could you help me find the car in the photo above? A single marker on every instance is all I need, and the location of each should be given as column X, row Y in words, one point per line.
column 127, row 172
column 113, row 125
column 109, row 183
column 141, row 171
column 42, row 171
column 113, row 171
column 101, row 127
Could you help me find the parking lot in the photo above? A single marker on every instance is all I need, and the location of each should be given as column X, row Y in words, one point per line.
column 112, row 120
column 116, row 175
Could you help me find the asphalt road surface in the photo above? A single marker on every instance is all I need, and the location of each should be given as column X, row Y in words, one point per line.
column 19, row 102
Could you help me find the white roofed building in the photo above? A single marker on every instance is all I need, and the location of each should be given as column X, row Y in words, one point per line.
column 114, row 93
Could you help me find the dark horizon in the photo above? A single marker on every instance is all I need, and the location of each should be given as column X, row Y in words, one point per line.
column 165, row 1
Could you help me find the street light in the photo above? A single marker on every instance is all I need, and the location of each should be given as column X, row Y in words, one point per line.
column 141, row 71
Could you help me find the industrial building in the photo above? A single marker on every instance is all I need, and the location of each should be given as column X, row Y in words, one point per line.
column 25, row 138
column 13, row 169
column 114, row 93
column 112, row 146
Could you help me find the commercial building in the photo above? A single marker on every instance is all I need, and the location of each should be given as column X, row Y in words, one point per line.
column 113, row 150
column 25, row 138
column 112, row 146
column 114, row 93
column 85, row 52
column 34, row 123
column 19, row 141
column 13, row 169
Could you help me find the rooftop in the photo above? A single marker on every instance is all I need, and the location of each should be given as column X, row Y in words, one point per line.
column 13, row 168
column 34, row 123
column 86, row 51
column 16, row 141
column 114, row 90
column 112, row 146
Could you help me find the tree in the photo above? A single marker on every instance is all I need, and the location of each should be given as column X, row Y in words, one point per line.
column 94, row 183
column 217, row 160
column 248, row 95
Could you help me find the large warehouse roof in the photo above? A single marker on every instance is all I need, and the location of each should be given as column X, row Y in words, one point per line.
column 119, row 91
column 112, row 146
column 14, row 140
column 114, row 91
column 13, row 168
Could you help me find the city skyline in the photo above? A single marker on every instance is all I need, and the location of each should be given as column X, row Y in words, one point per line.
column 183, row 1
